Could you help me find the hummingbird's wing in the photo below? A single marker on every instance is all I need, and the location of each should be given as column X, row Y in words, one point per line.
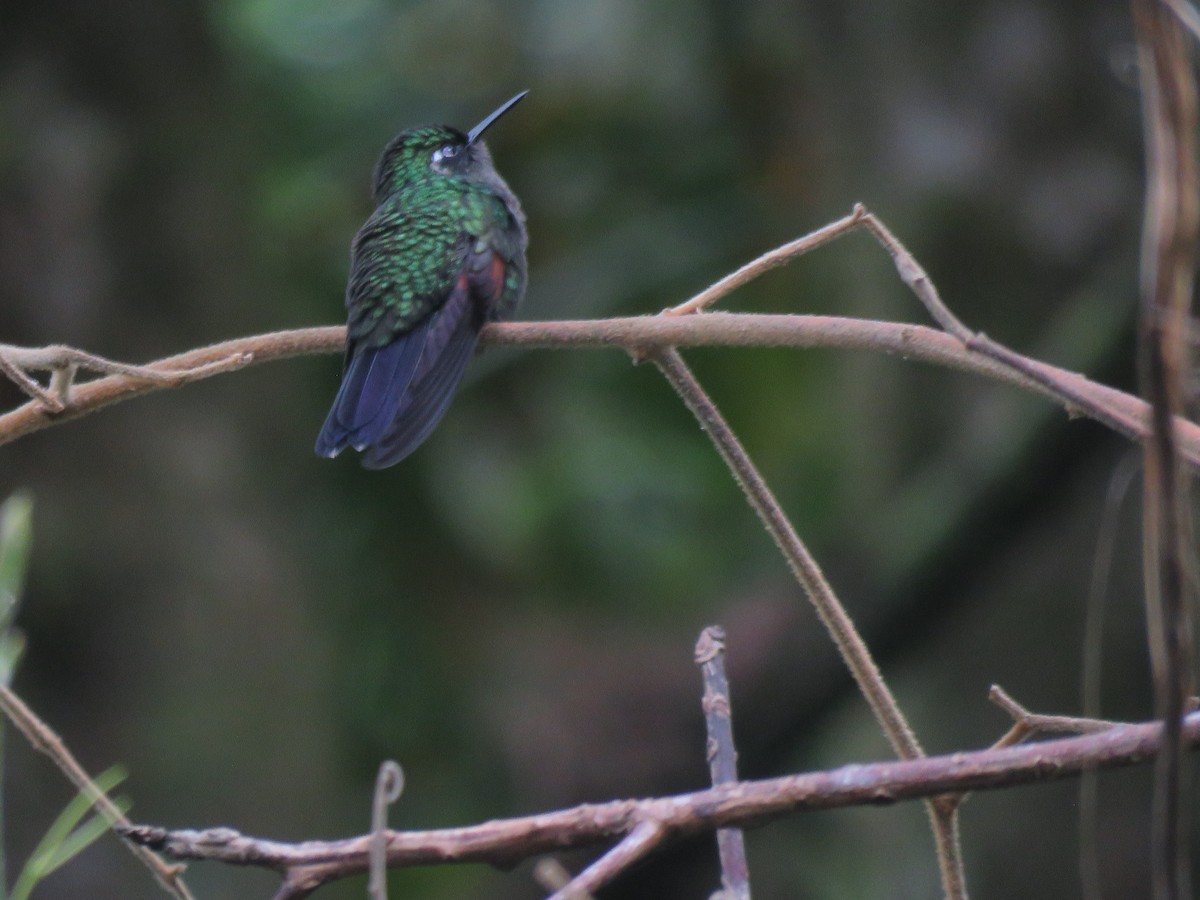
column 370, row 393
column 449, row 341
column 411, row 336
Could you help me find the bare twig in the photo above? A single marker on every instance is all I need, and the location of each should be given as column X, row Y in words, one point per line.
column 829, row 609
column 389, row 784
column 29, row 385
column 1066, row 390
column 909, row 270
column 748, row 803
column 1169, row 243
column 43, row 739
column 1026, row 724
column 769, row 260
column 64, row 362
column 553, row 876
column 722, row 757
column 913, row 274
column 642, row 838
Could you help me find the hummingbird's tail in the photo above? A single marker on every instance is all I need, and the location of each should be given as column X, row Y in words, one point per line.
column 449, row 344
column 372, row 390
column 393, row 396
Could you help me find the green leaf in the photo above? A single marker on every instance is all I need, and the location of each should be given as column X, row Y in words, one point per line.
column 66, row 837
column 16, row 537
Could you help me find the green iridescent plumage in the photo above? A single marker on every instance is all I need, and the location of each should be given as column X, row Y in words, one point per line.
column 443, row 253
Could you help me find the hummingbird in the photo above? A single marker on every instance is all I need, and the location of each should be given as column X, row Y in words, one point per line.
column 443, row 254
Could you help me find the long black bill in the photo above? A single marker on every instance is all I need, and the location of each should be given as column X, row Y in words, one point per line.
column 474, row 133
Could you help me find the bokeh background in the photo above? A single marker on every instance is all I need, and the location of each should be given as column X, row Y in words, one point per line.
column 510, row 613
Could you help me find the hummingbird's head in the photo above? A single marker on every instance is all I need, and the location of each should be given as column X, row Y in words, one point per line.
column 428, row 152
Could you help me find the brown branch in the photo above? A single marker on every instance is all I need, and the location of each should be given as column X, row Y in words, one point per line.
column 200, row 363
column 1028, row 724
column 749, row 803
column 1126, row 414
column 1169, row 249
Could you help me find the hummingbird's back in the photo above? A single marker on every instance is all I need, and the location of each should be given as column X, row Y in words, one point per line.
column 443, row 253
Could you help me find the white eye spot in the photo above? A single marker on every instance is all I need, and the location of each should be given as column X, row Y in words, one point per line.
column 449, row 151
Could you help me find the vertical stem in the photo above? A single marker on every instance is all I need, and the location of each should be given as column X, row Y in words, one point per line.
column 722, row 756
column 832, row 614
column 1169, row 243
column 389, row 784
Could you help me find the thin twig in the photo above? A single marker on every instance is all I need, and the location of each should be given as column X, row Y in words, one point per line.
column 27, row 384
column 553, row 876
column 64, row 362
column 1066, row 389
column 1036, row 723
column 747, row 803
column 913, row 274
column 43, row 739
column 829, row 609
column 389, row 784
column 722, row 756
column 769, row 260
column 643, row 838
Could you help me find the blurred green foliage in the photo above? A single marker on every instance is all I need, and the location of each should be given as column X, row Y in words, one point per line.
column 16, row 539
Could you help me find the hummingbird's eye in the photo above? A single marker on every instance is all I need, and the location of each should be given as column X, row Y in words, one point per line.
column 449, row 151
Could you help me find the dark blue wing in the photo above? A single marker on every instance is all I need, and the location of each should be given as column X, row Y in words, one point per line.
column 450, row 337
column 372, row 391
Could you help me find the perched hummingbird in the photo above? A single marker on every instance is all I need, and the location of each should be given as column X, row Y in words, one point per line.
column 443, row 253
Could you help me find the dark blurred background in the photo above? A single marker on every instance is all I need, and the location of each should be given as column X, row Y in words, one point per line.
column 510, row 613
